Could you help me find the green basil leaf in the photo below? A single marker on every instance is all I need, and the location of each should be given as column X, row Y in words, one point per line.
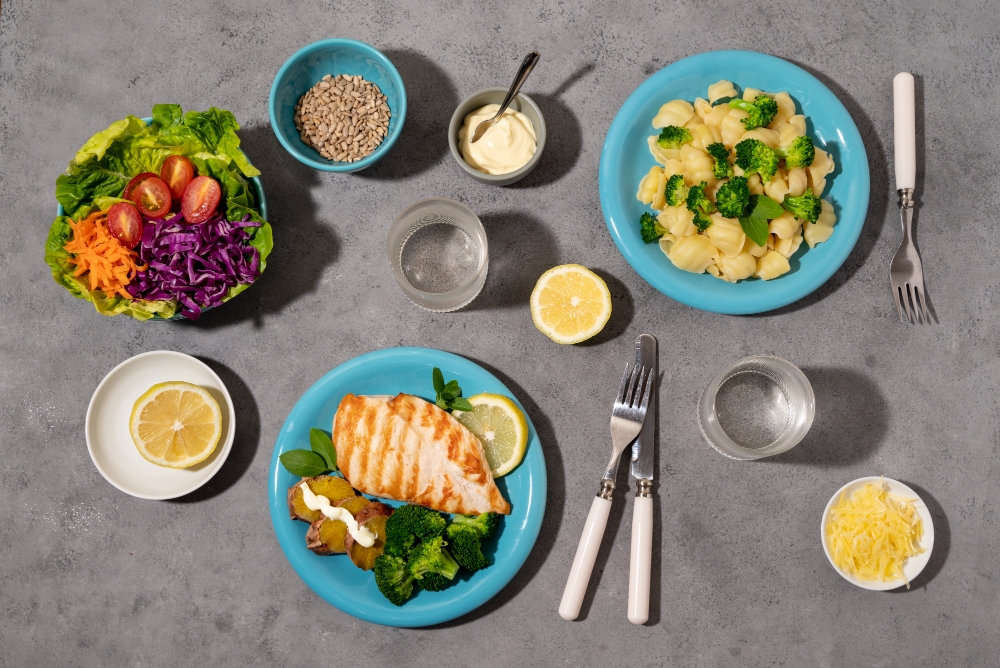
column 762, row 206
column 438, row 380
column 322, row 445
column 755, row 228
column 442, row 404
column 303, row 463
column 461, row 404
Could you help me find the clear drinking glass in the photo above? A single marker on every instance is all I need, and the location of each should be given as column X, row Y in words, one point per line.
column 438, row 252
column 760, row 406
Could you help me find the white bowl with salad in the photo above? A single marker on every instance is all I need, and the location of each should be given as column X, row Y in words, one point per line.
column 160, row 218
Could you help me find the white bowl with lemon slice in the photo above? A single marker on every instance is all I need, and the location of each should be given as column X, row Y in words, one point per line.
column 160, row 425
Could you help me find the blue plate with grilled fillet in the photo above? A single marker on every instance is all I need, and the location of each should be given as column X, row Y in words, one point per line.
column 338, row 581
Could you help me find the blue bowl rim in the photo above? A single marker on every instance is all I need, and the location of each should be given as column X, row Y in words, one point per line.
column 746, row 304
column 399, row 114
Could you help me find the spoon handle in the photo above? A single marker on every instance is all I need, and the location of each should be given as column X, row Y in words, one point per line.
column 527, row 65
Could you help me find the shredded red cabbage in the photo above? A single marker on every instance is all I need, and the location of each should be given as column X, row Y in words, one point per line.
column 194, row 264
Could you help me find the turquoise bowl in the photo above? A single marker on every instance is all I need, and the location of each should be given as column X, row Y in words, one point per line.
column 625, row 160
column 313, row 62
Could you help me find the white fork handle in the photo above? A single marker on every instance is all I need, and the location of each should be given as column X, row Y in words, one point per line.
column 583, row 562
column 641, row 560
column 904, row 131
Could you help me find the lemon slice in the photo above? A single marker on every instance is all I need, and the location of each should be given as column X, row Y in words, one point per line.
column 570, row 304
column 176, row 424
column 500, row 426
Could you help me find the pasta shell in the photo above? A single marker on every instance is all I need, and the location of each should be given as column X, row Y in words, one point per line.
column 721, row 89
column 786, row 109
column 675, row 112
column 693, row 253
column 772, row 265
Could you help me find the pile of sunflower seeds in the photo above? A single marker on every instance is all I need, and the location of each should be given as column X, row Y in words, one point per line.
column 344, row 117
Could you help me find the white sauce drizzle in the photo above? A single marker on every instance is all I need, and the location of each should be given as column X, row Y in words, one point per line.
column 313, row 501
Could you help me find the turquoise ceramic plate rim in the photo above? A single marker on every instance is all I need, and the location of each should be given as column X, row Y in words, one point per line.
column 398, row 114
column 830, row 123
column 258, row 191
column 426, row 608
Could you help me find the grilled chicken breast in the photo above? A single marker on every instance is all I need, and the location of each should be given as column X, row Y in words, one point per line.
column 407, row 449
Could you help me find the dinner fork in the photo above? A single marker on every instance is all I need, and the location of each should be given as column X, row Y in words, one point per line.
column 627, row 416
column 906, row 275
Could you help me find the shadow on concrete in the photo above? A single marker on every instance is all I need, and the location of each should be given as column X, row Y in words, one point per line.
column 303, row 246
column 942, row 540
column 245, row 442
column 878, row 203
column 622, row 311
column 851, row 421
column 521, row 249
column 555, row 500
column 431, row 99
column 563, row 134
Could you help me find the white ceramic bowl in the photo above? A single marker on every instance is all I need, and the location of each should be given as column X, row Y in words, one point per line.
column 915, row 564
column 110, row 443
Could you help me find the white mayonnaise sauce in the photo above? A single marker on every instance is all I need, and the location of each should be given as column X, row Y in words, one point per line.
column 313, row 501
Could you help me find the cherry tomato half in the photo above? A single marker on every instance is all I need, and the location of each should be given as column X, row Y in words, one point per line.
column 125, row 223
column 200, row 199
column 136, row 180
column 177, row 172
column 152, row 197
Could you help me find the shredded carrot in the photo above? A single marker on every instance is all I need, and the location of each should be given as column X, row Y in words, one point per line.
column 111, row 266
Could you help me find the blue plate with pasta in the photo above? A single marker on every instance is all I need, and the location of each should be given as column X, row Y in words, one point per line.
column 353, row 590
column 626, row 159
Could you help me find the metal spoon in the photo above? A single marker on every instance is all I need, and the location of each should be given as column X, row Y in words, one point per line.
column 527, row 65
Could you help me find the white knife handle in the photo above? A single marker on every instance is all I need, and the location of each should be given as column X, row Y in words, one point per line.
column 639, row 564
column 583, row 562
column 904, row 130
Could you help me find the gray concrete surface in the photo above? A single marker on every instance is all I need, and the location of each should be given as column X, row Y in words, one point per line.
column 92, row 577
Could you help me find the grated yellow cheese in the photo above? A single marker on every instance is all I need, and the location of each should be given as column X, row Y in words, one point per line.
column 871, row 534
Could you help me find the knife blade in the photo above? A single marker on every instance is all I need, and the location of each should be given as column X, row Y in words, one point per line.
column 642, row 449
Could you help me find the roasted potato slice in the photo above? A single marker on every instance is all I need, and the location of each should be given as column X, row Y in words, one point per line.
column 334, row 488
column 373, row 517
column 326, row 536
column 354, row 505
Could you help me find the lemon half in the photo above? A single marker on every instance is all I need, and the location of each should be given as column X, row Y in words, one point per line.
column 570, row 304
column 176, row 424
column 500, row 426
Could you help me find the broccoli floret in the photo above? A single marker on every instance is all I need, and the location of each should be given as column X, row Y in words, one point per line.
column 755, row 157
column 698, row 201
column 800, row 153
column 701, row 221
column 761, row 110
column 407, row 524
column 676, row 192
column 433, row 582
column 467, row 546
column 673, row 137
column 807, row 207
column 733, row 197
column 719, row 152
column 393, row 578
column 486, row 524
column 431, row 556
column 650, row 228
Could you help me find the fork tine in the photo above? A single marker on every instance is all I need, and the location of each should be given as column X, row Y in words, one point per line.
column 897, row 297
column 905, row 289
column 920, row 306
column 633, row 383
column 914, row 304
column 647, row 390
column 624, row 385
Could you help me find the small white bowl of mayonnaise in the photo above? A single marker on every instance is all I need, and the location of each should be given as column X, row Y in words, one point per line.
column 509, row 150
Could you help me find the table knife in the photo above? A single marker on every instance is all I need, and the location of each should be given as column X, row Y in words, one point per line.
column 642, row 512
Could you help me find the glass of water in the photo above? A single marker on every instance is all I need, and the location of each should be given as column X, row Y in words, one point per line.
column 438, row 252
column 760, row 406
